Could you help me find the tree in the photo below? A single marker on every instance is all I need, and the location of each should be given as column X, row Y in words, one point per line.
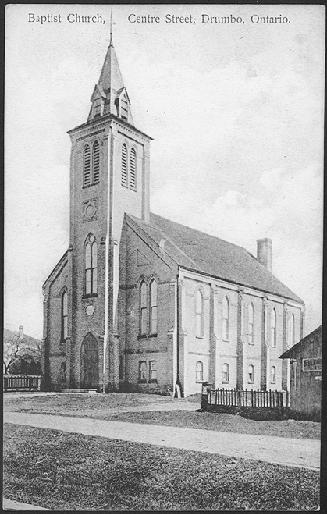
column 21, row 353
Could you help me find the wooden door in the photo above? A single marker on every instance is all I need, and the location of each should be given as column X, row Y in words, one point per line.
column 90, row 363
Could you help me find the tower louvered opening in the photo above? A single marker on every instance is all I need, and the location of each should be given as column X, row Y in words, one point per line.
column 124, row 166
column 132, row 170
column 87, row 166
column 96, row 162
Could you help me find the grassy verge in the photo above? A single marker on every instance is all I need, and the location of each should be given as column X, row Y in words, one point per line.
column 62, row 471
column 222, row 422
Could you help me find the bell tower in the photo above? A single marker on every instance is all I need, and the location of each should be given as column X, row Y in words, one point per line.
column 109, row 176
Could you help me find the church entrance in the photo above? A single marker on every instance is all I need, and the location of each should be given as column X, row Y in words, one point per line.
column 89, row 362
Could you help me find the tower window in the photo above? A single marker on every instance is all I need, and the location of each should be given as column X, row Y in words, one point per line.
column 143, row 308
column 153, row 307
column 96, row 162
column 87, row 166
column 64, row 316
column 132, row 170
column 251, row 323
column 199, row 314
column 251, row 374
column 225, row 327
column 225, row 373
column 91, row 265
column 124, row 165
column 199, row 371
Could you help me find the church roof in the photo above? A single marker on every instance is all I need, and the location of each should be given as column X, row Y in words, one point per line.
column 212, row 256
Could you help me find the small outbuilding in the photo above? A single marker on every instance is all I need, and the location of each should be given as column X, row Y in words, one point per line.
column 306, row 374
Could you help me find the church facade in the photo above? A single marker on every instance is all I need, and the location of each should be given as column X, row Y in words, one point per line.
column 141, row 303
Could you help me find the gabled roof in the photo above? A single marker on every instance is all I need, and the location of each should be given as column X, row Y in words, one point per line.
column 212, row 256
column 290, row 352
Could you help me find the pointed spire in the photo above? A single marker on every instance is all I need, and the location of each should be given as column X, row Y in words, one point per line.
column 110, row 95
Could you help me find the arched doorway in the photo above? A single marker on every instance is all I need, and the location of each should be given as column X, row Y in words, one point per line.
column 89, row 362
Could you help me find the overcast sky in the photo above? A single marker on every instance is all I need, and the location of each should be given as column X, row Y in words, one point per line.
column 235, row 110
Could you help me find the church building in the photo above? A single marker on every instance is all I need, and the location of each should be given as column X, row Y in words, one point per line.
column 141, row 303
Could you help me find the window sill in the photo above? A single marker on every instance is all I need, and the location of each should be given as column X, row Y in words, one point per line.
column 146, row 336
column 87, row 296
column 91, row 185
column 225, row 340
column 250, row 383
column 251, row 344
column 199, row 337
column 223, row 382
column 199, row 381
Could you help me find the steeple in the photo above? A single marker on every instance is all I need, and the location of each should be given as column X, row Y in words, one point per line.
column 109, row 94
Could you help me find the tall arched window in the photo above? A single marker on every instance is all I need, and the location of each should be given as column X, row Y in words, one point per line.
column 143, row 308
column 199, row 371
column 251, row 323
column 91, row 265
column 87, row 166
column 273, row 328
column 153, row 307
column 199, row 313
column 132, row 170
column 64, row 316
column 290, row 335
column 225, row 373
column 251, row 374
column 225, row 327
column 96, row 162
column 273, row 374
column 124, row 165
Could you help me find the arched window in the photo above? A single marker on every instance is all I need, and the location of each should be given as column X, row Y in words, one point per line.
column 225, row 327
column 132, row 170
column 153, row 307
column 87, row 166
column 199, row 371
column 199, row 313
column 96, row 162
column 124, row 165
column 64, row 316
column 251, row 374
column 91, row 265
column 290, row 335
column 273, row 374
column 273, row 328
column 251, row 323
column 225, row 373
column 143, row 308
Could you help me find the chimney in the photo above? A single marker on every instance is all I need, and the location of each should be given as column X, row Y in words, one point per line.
column 264, row 253
column 21, row 335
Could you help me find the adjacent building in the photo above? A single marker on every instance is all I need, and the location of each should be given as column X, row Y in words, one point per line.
column 141, row 303
column 306, row 374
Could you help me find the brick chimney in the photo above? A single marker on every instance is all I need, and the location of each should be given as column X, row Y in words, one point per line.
column 264, row 252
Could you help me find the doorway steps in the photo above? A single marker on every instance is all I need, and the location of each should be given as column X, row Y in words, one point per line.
column 86, row 391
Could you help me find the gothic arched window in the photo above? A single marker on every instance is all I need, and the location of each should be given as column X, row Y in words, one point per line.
column 91, row 265
column 199, row 314
column 251, row 323
column 251, row 374
column 290, row 335
column 153, row 307
column 132, row 170
column 124, row 165
column 225, row 373
column 273, row 374
column 273, row 328
column 64, row 316
column 143, row 308
column 96, row 162
column 87, row 166
column 225, row 327
column 199, row 371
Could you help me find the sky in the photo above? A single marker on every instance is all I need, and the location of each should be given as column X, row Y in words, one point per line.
column 235, row 110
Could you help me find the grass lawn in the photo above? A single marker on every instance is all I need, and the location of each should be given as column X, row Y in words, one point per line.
column 62, row 471
column 98, row 406
column 222, row 422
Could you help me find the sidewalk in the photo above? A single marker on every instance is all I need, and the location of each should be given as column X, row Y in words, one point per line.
column 276, row 450
column 13, row 505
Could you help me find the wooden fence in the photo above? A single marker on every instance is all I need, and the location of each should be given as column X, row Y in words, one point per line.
column 244, row 398
column 21, row 383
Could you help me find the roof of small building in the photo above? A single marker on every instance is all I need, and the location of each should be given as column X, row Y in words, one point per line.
column 290, row 352
column 212, row 256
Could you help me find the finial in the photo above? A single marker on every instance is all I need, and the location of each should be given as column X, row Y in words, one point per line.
column 110, row 27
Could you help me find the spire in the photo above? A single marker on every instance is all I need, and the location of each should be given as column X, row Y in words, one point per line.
column 110, row 95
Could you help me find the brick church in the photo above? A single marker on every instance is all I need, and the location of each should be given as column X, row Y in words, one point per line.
column 141, row 303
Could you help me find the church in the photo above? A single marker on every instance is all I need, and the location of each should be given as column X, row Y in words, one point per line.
column 141, row 303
